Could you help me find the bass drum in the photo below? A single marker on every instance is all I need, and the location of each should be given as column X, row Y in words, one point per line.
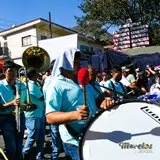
column 130, row 130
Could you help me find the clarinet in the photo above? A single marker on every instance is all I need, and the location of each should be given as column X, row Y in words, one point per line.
column 17, row 110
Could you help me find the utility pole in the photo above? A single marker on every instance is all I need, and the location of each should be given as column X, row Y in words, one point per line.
column 130, row 36
column 50, row 25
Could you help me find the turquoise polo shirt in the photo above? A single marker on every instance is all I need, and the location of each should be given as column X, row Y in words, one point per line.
column 46, row 83
column 65, row 95
column 35, row 94
column 117, row 85
column 7, row 94
column 97, row 88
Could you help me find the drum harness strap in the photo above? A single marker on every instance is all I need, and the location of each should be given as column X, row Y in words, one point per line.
column 101, row 96
column 72, row 132
column 96, row 89
column 114, row 90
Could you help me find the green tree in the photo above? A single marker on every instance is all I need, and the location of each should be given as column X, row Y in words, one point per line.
column 99, row 15
column 95, row 31
column 154, row 34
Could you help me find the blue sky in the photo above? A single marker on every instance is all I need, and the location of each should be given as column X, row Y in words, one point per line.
column 20, row 11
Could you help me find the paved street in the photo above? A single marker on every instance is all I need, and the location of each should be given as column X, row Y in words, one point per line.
column 47, row 146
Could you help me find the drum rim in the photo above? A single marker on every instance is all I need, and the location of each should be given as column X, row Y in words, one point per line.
column 99, row 112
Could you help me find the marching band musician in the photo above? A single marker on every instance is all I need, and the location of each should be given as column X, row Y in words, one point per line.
column 56, row 141
column 8, row 102
column 105, row 76
column 35, row 120
column 93, row 83
column 92, row 79
column 64, row 101
column 115, row 84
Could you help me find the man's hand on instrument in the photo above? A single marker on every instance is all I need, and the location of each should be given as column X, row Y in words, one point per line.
column 16, row 102
column 107, row 103
column 28, row 106
column 82, row 112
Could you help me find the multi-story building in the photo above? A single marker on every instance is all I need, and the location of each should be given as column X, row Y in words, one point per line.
column 15, row 40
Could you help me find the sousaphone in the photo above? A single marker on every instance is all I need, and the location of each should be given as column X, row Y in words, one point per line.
column 37, row 58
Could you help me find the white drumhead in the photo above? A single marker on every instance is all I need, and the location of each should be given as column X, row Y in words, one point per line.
column 129, row 131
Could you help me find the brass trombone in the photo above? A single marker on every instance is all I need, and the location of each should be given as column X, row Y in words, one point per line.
column 4, row 156
column 37, row 58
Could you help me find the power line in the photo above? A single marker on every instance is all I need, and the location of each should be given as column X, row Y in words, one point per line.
column 3, row 19
column 5, row 25
column 2, row 28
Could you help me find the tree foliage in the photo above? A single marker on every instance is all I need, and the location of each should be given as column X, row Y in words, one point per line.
column 154, row 34
column 99, row 15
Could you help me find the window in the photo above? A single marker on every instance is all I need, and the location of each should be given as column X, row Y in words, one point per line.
column 1, row 51
column 4, row 50
column 84, row 49
column 26, row 40
column 5, row 44
column 43, row 37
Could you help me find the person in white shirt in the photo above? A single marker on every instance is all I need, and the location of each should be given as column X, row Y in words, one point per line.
column 124, row 80
column 127, row 84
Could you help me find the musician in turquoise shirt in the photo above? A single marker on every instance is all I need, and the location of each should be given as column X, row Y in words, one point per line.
column 35, row 95
column 35, row 120
column 8, row 94
column 64, row 101
column 8, row 102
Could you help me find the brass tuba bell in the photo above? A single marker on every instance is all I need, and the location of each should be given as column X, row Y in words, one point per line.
column 37, row 58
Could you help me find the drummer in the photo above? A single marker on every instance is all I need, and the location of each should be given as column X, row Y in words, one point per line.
column 64, row 101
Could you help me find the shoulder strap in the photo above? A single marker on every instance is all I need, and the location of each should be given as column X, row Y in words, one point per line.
column 72, row 132
column 115, row 94
column 122, row 86
column 96, row 89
